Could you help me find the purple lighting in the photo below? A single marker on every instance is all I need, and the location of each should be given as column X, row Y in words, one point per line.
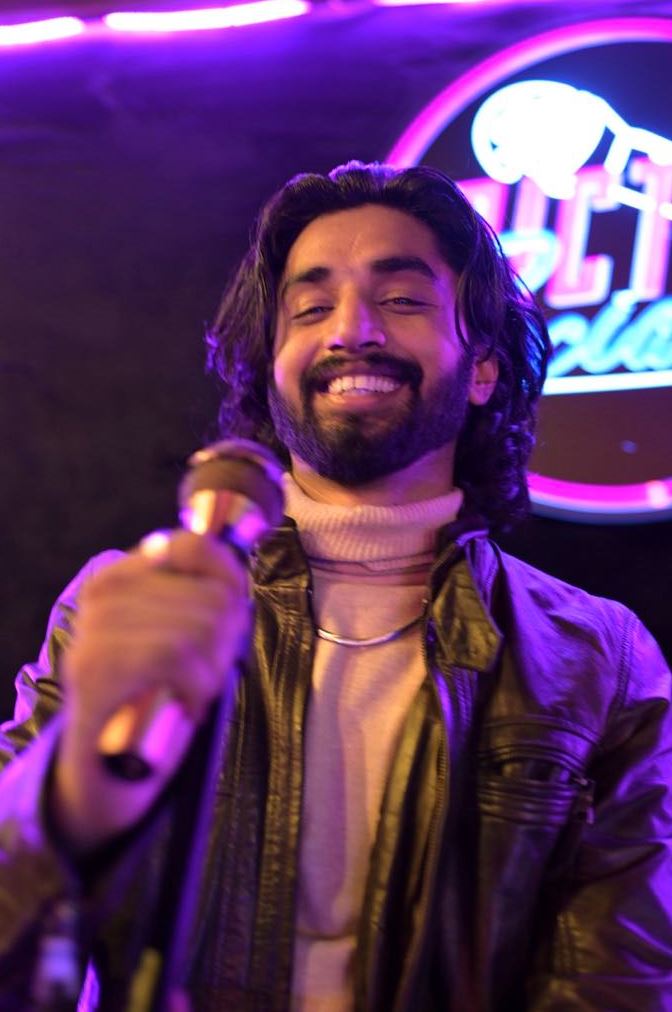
column 40, row 31
column 209, row 18
column 609, row 502
column 417, row 3
column 414, row 3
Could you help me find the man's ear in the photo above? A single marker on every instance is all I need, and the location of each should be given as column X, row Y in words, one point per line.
column 484, row 375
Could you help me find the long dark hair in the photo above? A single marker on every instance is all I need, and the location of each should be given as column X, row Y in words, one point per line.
column 494, row 315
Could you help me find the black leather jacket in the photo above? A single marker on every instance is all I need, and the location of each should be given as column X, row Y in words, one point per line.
column 522, row 858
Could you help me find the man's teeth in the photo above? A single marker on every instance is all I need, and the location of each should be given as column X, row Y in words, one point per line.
column 363, row 385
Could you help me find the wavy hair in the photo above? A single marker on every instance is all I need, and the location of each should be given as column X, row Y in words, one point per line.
column 494, row 314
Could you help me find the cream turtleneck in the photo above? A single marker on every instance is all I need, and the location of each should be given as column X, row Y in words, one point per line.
column 375, row 536
column 369, row 567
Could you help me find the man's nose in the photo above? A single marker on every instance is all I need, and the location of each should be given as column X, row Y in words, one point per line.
column 356, row 325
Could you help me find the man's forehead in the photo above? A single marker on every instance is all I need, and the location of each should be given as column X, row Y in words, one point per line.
column 370, row 235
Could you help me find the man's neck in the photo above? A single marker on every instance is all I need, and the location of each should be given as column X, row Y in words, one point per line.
column 427, row 478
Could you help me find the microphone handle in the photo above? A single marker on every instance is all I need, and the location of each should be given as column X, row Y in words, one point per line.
column 233, row 491
column 136, row 737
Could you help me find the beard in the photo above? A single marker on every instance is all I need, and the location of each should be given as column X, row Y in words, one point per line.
column 356, row 449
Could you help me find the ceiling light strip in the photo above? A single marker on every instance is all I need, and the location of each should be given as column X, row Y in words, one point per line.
column 47, row 30
column 234, row 16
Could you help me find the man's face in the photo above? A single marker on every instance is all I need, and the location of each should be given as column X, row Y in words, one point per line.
column 369, row 373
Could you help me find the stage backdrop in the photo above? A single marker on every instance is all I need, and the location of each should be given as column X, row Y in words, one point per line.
column 131, row 169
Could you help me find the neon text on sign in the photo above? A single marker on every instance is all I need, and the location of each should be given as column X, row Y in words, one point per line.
column 539, row 135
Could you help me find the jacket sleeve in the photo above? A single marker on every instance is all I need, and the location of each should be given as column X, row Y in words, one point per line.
column 36, row 875
column 611, row 944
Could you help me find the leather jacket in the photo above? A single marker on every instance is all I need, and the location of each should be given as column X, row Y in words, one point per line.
column 522, row 858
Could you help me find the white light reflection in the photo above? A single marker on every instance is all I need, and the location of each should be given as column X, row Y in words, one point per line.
column 48, row 30
column 234, row 16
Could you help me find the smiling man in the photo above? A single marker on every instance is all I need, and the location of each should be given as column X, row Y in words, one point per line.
column 447, row 781
column 370, row 377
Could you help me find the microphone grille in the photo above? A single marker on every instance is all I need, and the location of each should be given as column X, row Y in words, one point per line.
column 241, row 466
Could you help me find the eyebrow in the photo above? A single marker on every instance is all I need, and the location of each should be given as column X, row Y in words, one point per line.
column 384, row 267
column 395, row 265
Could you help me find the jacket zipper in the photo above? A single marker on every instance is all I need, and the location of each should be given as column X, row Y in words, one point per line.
column 436, row 824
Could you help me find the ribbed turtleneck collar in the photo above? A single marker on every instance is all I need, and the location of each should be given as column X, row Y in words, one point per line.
column 373, row 534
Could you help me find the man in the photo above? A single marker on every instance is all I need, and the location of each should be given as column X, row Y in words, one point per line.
column 447, row 781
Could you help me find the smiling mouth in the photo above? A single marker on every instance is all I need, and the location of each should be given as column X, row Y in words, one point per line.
column 358, row 385
column 374, row 377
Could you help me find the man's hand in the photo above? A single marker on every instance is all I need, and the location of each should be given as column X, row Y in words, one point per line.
column 173, row 617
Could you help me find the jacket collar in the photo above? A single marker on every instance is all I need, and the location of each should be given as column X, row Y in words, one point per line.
column 281, row 559
column 462, row 582
column 461, row 585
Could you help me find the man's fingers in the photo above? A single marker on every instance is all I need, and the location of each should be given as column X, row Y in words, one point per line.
column 197, row 554
column 179, row 550
column 172, row 615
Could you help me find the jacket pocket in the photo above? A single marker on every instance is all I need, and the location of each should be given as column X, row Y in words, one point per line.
column 533, row 800
column 534, row 772
column 532, row 810
column 533, row 791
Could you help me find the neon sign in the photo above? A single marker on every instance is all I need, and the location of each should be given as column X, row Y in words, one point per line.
column 545, row 132
column 580, row 195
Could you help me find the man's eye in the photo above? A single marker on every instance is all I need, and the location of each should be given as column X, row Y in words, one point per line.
column 403, row 300
column 310, row 311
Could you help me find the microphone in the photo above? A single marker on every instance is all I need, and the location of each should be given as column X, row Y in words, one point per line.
column 232, row 490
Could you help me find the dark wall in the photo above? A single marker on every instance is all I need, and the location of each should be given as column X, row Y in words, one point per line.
column 130, row 172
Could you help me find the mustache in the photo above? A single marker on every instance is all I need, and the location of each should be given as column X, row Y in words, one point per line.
column 318, row 376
